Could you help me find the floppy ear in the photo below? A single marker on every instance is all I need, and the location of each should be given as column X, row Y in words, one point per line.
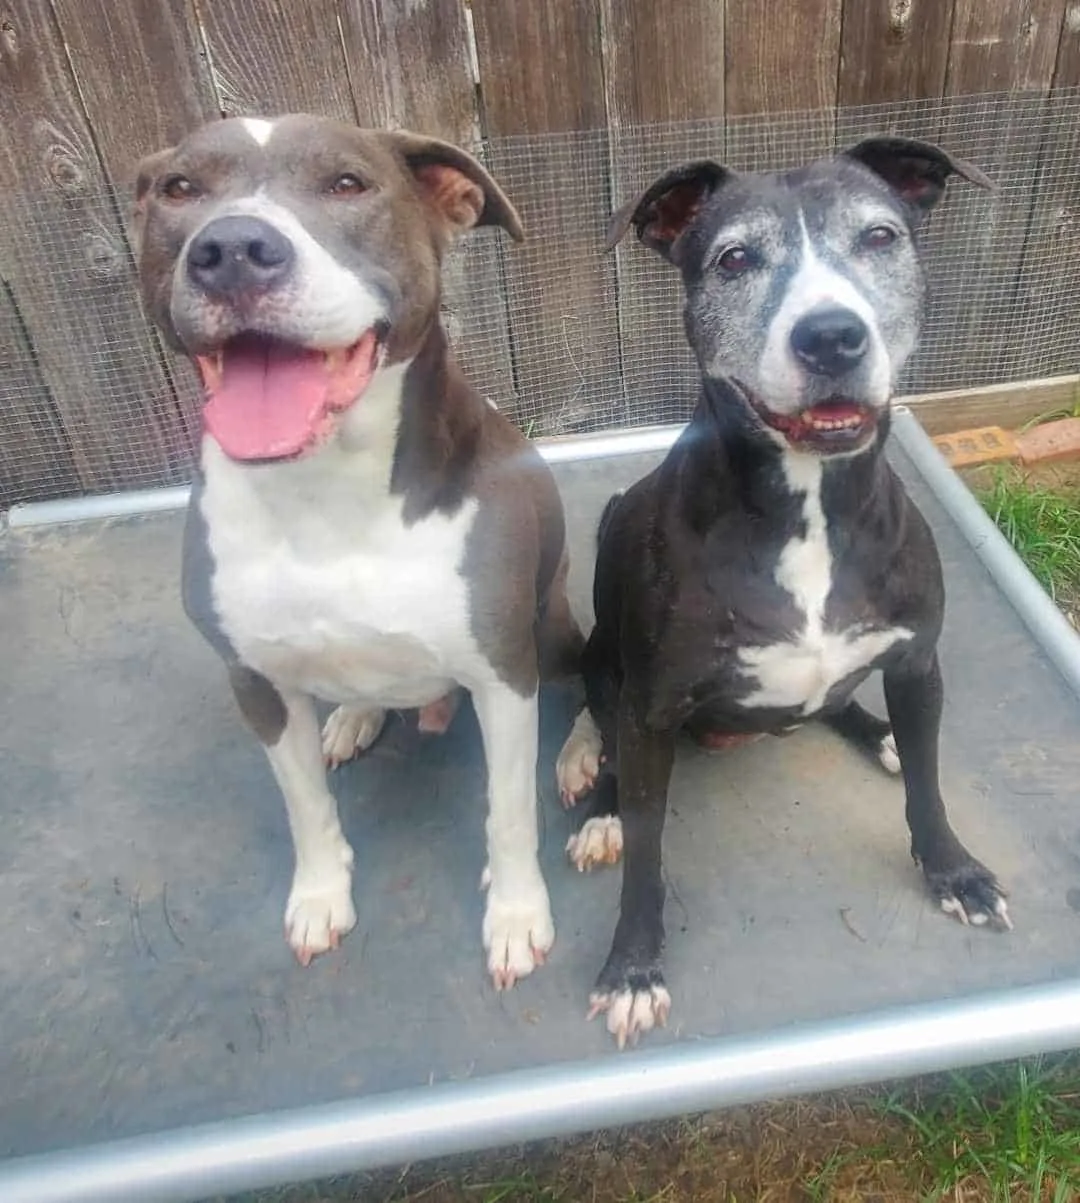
column 456, row 186
column 667, row 207
column 917, row 171
column 146, row 176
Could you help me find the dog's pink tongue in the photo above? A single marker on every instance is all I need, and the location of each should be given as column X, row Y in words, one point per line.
column 271, row 402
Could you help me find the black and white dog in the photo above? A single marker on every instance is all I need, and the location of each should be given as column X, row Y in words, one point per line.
column 773, row 560
column 365, row 529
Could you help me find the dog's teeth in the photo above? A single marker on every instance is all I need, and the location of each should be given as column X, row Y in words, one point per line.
column 335, row 360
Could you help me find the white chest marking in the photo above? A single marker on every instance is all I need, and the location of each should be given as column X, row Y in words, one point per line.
column 318, row 582
column 800, row 673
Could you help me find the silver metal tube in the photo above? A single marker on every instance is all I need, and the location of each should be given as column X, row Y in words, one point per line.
column 154, row 501
column 104, row 505
column 459, row 1117
column 1044, row 620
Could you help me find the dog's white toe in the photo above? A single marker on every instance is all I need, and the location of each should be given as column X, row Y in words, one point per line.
column 578, row 764
column 888, row 755
column 632, row 1013
column 317, row 916
column 348, row 730
column 518, row 935
column 599, row 842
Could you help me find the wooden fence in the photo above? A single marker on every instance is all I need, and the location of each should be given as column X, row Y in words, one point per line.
column 90, row 401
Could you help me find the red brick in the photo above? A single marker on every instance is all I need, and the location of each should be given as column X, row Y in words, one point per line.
column 1050, row 441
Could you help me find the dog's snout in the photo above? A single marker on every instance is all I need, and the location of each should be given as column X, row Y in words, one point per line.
column 239, row 254
column 830, row 340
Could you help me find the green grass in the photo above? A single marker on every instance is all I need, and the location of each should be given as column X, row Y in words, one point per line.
column 1043, row 525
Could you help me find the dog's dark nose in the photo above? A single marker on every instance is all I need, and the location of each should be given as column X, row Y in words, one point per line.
column 239, row 254
column 830, row 341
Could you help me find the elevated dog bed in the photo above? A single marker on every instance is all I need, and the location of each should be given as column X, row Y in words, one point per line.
column 146, row 986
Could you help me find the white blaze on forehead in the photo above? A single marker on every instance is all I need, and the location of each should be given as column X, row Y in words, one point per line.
column 815, row 284
column 259, row 129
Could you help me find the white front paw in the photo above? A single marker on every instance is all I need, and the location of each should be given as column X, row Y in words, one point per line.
column 349, row 730
column 518, row 933
column 319, row 912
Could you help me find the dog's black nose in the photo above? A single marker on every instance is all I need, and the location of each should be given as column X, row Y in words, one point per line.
column 830, row 340
column 239, row 254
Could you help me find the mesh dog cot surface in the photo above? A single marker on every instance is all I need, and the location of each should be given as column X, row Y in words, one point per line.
column 146, row 985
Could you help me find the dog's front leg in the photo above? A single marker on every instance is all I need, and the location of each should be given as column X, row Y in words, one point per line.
column 518, row 931
column 964, row 887
column 631, row 986
column 320, row 907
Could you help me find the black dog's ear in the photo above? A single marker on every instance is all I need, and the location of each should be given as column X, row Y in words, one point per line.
column 917, row 171
column 664, row 210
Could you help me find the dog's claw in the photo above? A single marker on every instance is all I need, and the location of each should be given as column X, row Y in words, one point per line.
column 599, row 842
column 631, row 1013
column 579, row 761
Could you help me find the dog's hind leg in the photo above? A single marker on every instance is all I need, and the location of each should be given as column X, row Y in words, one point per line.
column 867, row 732
column 349, row 730
column 599, row 841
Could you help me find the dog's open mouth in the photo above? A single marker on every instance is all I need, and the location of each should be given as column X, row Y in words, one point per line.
column 833, row 425
column 270, row 400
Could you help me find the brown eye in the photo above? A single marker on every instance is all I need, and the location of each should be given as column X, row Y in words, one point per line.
column 347, row 185
column 735, row 260
column 877, row 238
column 180, row 188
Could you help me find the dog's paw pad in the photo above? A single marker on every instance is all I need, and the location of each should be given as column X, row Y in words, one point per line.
column 317, row 918
column 349, row 730
column 632, row 1012
column 518, row 936
column 599, row 842
column 888, row 756
column 578, row 764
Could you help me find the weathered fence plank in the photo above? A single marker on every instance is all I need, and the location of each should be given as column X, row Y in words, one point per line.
column 541, row 71
column 66, row 263
column 35, row 457
column 410, row 65
column 277, row 56
column 781, row 58
column 663, row 67
column 893, row 51
column 1010, row 44
column 162, row 91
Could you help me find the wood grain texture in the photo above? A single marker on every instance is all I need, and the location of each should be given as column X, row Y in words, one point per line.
column 35, row 457
column 893, row 50
column 662, row 62
column 158, row 85
column 66, row 263
column 1011, row 44
column 541, row 72
column 781, row 57
column 410, row 67
column 663, row 68
column 270, row 57
column 1006, row 45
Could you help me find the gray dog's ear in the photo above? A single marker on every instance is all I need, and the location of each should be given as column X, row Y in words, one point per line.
column 917, row 171
column 456, row 185
column 665, row 209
